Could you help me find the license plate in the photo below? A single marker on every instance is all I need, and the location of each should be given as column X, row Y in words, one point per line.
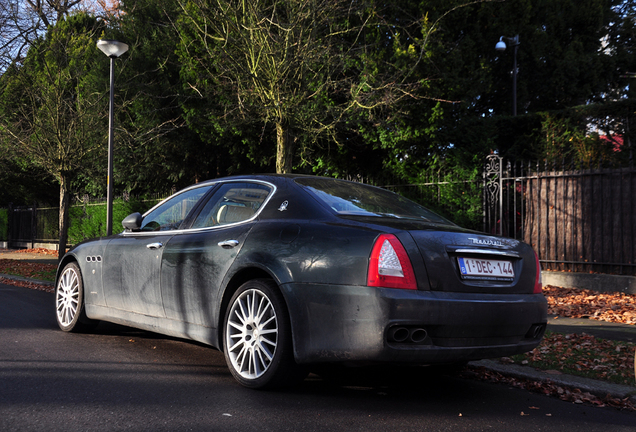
column 473, row 268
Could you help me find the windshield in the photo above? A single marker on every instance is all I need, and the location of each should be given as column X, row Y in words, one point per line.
column 350, row 198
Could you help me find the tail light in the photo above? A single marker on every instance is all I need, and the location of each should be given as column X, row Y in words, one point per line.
column 538, row 284
column 389, row 265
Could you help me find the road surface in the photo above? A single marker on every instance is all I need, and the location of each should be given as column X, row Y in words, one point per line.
column 119, row 379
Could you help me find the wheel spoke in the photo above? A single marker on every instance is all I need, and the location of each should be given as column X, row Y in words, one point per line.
column 259, row 364
column 272, row 318
column 240, row 314
column 236, row 326
column 263, row 349
column 262, row 310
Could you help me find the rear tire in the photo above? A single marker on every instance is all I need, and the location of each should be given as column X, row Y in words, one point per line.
column 69, row 301
column 257, row 337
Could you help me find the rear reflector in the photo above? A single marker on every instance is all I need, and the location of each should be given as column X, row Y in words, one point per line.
column 538, row 283
column 389, row 264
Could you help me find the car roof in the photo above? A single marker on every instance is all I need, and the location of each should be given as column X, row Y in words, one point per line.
column 273, row 178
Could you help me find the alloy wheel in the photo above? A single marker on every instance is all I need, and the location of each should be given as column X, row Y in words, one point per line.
column 67, row 296
column 251, row 334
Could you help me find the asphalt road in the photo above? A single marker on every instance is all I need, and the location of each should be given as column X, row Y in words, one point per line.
column 118, row 378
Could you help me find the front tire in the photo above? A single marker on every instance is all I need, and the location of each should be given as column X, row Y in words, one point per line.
column 69, row 301
column 258, row 339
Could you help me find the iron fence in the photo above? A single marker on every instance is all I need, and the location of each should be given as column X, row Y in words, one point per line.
column 29, row 225
column 576, row 220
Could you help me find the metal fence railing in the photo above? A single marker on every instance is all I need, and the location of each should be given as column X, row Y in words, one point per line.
column 576, row 220
column 29, row 225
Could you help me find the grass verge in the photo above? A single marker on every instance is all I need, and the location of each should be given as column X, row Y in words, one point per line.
column 582, row 355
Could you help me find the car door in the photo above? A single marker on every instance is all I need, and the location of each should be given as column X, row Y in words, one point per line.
column 196, row 260
column 132, row 263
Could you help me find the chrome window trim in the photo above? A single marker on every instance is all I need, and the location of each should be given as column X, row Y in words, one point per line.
column 196, row 230
column 200, row 185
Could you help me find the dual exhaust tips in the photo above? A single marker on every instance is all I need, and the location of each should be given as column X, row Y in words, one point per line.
column 404, row 334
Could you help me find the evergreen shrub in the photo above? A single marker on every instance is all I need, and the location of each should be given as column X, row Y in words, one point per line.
column 4, row 224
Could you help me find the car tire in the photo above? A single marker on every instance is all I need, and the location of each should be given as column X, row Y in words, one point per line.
column 69, row 301
column 257, row 337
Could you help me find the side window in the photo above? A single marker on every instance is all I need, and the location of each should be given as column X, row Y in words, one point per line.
column 170, row 214
column 233, row 202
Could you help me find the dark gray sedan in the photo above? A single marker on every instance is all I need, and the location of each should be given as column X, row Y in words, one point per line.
column 282, row 272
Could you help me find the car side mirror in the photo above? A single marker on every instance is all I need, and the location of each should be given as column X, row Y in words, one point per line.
column 132, row 222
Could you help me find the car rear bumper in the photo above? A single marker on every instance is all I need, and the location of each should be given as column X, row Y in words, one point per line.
column 379, row 325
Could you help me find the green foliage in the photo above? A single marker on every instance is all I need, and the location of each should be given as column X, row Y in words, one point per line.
column 89, row 220
column 269, row 75
column 562, row 63
column 565, row 140
column 154, row 148
column 377, row 91
column 49, row 112
column 22, row 183
column 4, row 224
column 48, row 223
column 452, row 189
column 48, row 103
column 315, row 75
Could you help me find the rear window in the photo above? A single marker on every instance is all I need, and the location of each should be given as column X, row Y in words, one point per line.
column 357, row 199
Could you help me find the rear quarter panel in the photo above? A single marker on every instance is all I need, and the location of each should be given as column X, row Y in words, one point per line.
column 309, row 252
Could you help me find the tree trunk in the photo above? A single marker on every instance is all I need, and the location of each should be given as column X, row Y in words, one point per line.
column 284, row 149
column 65, row 199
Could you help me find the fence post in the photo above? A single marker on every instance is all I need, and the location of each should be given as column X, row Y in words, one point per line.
column 9, row 224
column 34, row 224
column 493, row 192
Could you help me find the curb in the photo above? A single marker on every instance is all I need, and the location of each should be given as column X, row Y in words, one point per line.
column 595, row 387
column 23, row 279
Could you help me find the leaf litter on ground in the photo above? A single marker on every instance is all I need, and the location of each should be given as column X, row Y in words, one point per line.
column 580, row 303
column 29, row 270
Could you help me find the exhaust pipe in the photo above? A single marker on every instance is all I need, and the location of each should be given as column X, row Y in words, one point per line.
column 418, row 335
column 398, row 334
column 536, row 331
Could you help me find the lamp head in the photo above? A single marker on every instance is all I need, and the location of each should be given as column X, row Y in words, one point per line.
column 112, row 48
column 501, row 45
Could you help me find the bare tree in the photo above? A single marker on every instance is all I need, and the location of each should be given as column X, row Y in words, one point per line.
column 22, row 21
column 296, row 64
column 305, row 66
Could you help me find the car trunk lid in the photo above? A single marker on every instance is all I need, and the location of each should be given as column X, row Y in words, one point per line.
column 473, row 262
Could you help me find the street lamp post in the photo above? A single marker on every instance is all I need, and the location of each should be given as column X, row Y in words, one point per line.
column 501, row 46
column 112, row 49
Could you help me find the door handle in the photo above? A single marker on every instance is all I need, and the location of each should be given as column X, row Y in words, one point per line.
column 157, row 245
column 228, row 244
